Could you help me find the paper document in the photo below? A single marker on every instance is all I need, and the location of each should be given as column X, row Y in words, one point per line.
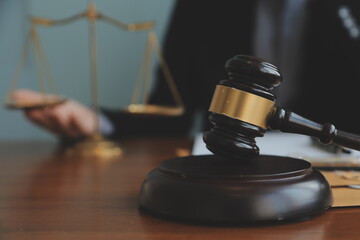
column 293, row 145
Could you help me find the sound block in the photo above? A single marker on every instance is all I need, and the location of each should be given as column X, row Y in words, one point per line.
column 260, row 189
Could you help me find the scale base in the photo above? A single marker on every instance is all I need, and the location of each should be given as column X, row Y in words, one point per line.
column 96, row 147
column 211, row 188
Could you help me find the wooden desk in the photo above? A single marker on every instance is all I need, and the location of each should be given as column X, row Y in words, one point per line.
column 44, row 195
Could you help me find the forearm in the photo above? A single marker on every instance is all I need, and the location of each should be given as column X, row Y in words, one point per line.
column 125, row 124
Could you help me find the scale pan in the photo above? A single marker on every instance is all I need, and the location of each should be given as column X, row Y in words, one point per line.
column 148, row 109
column 46, row 102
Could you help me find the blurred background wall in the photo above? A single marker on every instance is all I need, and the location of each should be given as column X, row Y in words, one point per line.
column 66, row 48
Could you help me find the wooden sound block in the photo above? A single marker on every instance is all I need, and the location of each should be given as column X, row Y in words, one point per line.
column 260, row 189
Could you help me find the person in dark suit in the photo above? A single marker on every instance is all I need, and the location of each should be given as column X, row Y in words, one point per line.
column 330, row 70
column 315, row 43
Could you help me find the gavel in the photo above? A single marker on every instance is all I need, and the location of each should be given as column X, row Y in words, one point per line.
column 236, row 183
column 244, row 106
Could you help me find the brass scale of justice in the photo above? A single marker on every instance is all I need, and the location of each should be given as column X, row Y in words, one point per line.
column 96, row 145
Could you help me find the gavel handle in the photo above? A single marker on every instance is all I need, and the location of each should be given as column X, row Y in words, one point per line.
column 287, row 121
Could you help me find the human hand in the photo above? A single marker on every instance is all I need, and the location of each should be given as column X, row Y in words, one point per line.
column 70, row 119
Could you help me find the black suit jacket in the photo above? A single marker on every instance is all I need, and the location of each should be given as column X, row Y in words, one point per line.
column 330, row 71
column 203, row 34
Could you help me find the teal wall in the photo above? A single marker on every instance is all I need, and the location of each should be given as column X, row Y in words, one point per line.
column 66, row 48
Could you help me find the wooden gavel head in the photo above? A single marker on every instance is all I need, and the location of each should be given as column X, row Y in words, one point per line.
column 244, row 106
column 241, row 105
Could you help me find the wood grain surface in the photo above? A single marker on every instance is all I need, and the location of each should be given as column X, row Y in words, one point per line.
column 45, row 194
